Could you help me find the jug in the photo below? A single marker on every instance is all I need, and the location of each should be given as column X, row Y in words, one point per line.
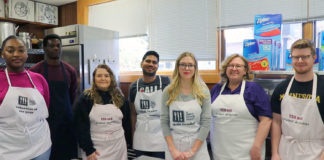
column 26, row 38
column 7, row 29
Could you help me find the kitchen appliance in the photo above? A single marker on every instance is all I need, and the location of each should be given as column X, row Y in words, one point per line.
column 6, row 29
column 26, row 38
column 84, row 47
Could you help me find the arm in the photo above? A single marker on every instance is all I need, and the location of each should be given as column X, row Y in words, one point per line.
column 127, row 123
column 82, row 124
column 205, row 119
column 261, row 135
column 176, row 154
column 74, row 92
column 133, row 115
column 322, row 155
column 275, row 136
column 165, row 125
column 133, row 119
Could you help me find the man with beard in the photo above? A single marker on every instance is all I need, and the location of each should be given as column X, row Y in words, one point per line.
column 62, row 81
column 145, row 103
column 298, row 109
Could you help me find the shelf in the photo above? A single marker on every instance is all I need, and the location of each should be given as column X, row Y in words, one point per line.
column 23, row 22
column 273, row 72
column 280, row 72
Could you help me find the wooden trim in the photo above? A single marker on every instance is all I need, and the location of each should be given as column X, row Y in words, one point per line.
column 210, row 76
column 308, row 30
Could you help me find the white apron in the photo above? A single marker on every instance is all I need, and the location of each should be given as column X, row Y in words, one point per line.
column 302, row 127
column 148, row 133
column 233, row 127
column 107, row 133
column 24, row 132
column 185, row 125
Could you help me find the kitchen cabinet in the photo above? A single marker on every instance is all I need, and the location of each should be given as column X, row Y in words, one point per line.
column 67, row 16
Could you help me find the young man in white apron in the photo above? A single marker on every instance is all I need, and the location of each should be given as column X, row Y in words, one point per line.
column 145, row 97
column 298, row 128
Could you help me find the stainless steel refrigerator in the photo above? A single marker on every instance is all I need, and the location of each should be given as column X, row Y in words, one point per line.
column 84, row 47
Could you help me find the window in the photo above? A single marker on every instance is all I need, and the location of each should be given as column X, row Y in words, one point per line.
column 131, row 51
column 234, row 37
column 319, row 28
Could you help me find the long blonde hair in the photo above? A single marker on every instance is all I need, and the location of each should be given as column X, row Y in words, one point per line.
column 198, row 85
column 114, row 91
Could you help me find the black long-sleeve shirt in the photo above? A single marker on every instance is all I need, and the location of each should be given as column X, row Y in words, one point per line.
column 82, row 120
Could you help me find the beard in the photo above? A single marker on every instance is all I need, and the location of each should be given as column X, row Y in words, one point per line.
column 151, row 74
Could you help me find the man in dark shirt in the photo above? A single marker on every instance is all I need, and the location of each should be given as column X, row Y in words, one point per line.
column 62, row 81
column 145, row 102
column 298, row 125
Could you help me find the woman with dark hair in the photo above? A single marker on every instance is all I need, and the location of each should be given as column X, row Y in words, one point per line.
column 101, row 116
column 24, row 98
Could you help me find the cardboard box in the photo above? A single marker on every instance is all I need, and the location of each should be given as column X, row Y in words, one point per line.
column 46, row 13
column 21, row 9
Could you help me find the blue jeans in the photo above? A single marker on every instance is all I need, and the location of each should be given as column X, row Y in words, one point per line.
column 43, row 156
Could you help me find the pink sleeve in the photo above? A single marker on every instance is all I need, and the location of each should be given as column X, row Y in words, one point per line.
column 42, row 86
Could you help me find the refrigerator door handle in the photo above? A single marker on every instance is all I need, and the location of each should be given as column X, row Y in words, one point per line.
column 89, row 69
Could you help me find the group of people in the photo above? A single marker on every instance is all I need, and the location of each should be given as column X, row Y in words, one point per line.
column 42, row 115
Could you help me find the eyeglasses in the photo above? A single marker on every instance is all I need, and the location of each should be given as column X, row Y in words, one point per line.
column 184, row 66
column 237, row 66
column 296, row 58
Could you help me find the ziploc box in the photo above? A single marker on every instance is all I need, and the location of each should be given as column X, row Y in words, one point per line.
column 288, row 61
column 321, row 50
column 257, row 53
column 316, row 63
column 268, row 26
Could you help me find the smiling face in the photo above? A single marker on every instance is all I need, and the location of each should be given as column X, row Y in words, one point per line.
column 15, row 54
column 187, row 67
column 236, row 70
column 302, row 60
column 150, row 65
column 102, row 79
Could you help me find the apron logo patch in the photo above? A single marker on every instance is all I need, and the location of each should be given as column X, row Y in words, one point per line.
column 144, row 104
column 178, row 116
column 23, row 101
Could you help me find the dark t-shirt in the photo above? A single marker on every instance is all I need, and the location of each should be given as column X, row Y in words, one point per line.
column 301, row 90
column 147, row 87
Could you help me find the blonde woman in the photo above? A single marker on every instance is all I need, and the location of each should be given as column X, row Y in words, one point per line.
column 101, row 117
column 185, row 112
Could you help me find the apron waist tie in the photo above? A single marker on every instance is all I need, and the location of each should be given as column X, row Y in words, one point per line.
column 186, row 139
column 146, row 120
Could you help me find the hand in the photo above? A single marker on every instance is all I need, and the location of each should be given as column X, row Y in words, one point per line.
column 255, row 153
column 322, row 155
column 93, row 156
column 176, row 154
column 275, row 157
column 188, row 154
